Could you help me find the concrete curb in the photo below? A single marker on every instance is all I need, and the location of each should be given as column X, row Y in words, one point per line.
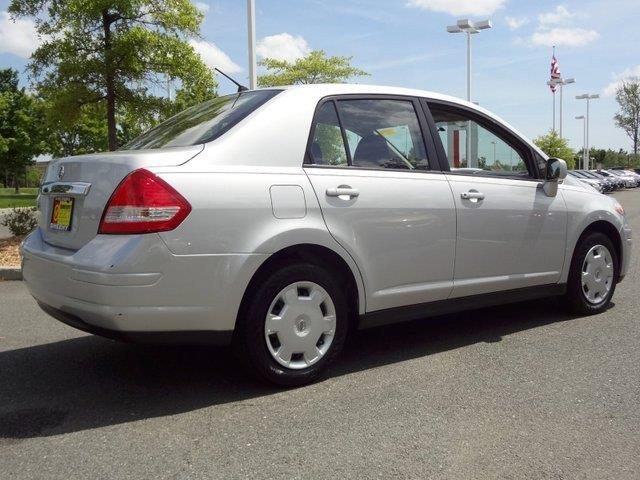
column 10, row 273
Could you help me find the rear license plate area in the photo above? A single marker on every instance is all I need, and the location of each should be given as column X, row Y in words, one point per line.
column 61, row 214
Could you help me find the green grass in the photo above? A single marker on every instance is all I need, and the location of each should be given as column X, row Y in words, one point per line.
column 26, row 197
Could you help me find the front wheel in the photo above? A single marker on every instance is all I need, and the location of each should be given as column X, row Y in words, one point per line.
column 593, row 275
column 294, row 326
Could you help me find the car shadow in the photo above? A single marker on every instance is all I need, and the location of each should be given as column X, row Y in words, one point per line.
column 88, row 382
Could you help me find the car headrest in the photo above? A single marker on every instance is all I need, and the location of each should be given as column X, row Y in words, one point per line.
column 372, row 150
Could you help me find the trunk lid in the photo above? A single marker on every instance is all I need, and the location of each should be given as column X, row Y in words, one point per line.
column 88, row 181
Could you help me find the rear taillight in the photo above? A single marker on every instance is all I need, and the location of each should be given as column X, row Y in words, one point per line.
column 143, row 203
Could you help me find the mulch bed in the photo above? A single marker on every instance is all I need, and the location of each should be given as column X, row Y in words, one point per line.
column 9, row 252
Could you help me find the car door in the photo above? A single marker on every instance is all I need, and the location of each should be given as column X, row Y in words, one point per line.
column 384, row 197
column 510, row 234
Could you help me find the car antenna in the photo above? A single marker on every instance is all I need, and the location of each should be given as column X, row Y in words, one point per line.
column 241, row 88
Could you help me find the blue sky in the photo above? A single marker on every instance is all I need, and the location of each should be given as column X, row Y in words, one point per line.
column 404, row 43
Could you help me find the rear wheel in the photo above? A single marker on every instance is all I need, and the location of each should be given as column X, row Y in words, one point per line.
column 593, row 275
column 295, row 325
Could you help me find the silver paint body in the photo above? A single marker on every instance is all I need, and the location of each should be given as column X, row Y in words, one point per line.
column 408, row 237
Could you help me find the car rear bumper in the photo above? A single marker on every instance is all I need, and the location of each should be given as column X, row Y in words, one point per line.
column 211, row 337
column 132, row 284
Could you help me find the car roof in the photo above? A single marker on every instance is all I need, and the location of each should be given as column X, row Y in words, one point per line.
column 320, row 90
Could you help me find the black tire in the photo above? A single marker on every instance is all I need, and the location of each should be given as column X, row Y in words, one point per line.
column 249, row 338
column 575, row 297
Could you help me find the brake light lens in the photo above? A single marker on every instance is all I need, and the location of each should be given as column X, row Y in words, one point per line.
column 143, row 203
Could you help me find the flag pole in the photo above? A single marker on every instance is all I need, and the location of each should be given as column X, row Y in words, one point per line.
column 554, row 113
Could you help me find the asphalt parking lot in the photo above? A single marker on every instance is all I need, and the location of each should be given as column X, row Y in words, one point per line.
column 522, row 391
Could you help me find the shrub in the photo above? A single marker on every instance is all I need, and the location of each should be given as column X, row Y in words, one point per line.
column 20, row 220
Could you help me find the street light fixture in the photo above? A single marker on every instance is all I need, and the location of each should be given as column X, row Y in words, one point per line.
column 584, row 135
column 587, row 97
column 469, row 27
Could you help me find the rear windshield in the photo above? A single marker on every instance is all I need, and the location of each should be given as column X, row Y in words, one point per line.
column 202, row 123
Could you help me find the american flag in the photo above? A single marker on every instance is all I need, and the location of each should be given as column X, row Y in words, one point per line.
column 555, row 73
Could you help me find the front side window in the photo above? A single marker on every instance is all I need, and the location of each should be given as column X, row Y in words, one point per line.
column 383, row 134
column 202, row 123
column 472, row 148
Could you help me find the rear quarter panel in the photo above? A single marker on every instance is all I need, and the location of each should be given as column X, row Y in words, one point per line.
column 233, row 214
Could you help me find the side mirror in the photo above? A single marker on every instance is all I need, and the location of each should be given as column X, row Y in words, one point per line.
column 556, row 171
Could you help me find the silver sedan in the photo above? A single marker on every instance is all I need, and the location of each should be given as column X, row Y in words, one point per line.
column 280, row 219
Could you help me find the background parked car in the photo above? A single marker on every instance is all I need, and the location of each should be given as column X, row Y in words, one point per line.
column 619, row 182
column 607, row 185
column 595, row 184
column 629, row 180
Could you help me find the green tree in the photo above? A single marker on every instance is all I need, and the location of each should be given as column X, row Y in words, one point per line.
column 316, row 67
column 116, row 55
column 628, row 118
column 86, row 134
column 22, row 131
column 556, row 147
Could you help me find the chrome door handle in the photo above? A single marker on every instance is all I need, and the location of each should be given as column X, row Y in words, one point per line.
column 342, row 190
column 472, row 195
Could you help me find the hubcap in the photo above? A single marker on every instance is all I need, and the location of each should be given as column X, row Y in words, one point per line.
column 300, row 325
column 597, row 274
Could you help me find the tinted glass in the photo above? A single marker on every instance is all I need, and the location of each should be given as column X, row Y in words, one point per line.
column 383, row 134
column 473, row 148
column 202, row 123
column 327, row 146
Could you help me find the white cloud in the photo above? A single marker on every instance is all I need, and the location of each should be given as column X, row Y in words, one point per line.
column 558, row 15
column 202, row 6
column 212, row 56
column 459, row 7
column 283, row 46
column 567, row 37
column 19, row 37
column 610, row 90
column 515, row 23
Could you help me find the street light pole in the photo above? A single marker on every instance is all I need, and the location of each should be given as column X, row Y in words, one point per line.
column 553, row 83
column 587, row 97
column 468, row 66
column 251, row 28
column 562, row 83
column 584, row 135
column 469, row 27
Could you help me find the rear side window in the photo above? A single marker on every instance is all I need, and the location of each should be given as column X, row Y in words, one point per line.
column 383, row 134
column 327, row 145
column 379, row 133
column 202, row 123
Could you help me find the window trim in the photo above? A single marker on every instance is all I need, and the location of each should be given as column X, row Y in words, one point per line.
column 507, row 136
column 430, row 146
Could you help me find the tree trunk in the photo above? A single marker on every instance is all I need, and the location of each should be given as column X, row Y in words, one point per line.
column 109, row 82
column 16, row 185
